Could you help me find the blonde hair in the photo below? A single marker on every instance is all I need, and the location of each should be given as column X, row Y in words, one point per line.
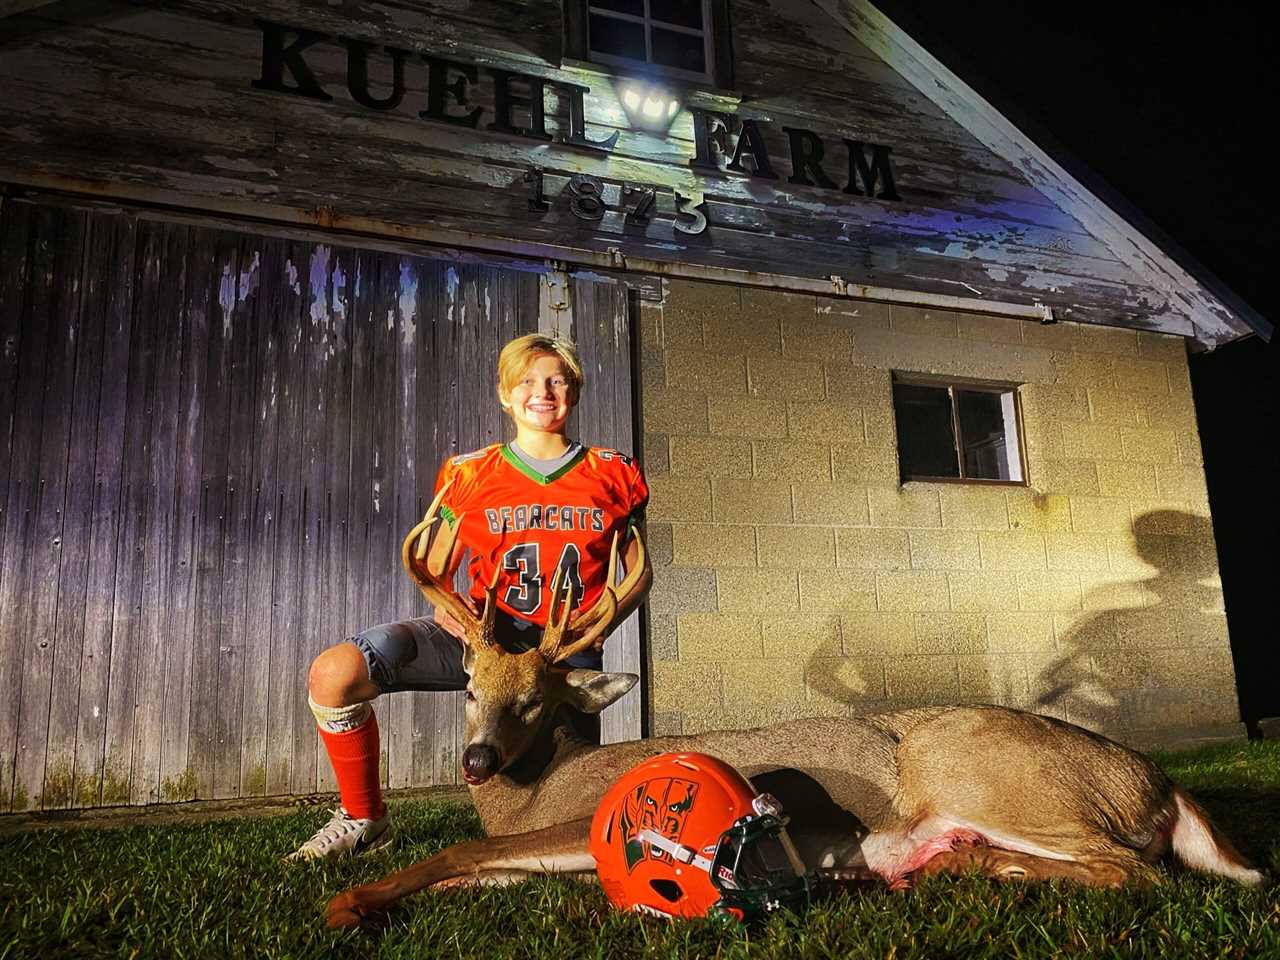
column 517, row 355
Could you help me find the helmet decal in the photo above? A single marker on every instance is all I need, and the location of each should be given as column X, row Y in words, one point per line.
column 661, row 805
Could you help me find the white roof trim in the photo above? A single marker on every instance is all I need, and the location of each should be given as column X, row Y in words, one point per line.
column 1214, row 322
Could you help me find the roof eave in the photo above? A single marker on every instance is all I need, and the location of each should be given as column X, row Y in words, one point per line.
column 1217, row 314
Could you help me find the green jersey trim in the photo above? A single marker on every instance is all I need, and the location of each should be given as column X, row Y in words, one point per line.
column 533, row 474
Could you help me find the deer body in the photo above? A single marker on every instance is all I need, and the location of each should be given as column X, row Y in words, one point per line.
column 1010, row 793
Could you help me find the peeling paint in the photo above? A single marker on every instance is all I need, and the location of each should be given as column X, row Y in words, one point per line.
column 291, row 276
column 227, row 298
column 319, row 284
column 337, row 298
column 451, row 291
column 998, row 274
column 408, row 303
column 249, row 278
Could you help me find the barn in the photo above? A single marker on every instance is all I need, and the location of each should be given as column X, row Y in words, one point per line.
column 912, row 399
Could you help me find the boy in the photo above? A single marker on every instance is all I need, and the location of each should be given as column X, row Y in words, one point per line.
column 541, row 502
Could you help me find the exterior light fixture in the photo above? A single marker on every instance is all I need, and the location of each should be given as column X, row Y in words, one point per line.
column 648, row 106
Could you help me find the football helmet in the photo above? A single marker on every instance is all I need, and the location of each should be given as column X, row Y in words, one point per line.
column 685, row 835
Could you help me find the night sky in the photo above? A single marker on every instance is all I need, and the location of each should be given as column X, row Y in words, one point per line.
column 1170, row 103
column 1167, row 101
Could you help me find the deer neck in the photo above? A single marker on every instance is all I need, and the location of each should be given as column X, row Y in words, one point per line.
column 503, row 801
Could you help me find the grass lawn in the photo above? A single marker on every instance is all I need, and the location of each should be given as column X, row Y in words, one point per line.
column 219, row 890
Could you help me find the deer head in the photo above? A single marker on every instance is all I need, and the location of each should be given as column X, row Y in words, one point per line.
column 512, row 697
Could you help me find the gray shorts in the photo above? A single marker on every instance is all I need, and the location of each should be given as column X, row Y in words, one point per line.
column 419, row 654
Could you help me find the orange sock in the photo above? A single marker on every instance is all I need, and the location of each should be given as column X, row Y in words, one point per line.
column 354, row 755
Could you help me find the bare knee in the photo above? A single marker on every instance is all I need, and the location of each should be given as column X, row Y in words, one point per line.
column 339, row 677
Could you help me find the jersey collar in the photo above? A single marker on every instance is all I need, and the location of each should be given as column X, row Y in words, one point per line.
column 543, row 478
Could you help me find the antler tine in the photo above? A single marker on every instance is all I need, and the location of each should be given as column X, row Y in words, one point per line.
column 429, row 568
column 615, row 603
column 557, row 616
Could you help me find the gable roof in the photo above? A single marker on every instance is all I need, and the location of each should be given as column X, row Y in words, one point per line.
column 1216, row 313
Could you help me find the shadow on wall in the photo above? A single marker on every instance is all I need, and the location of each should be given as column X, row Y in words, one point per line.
column 1155, row 655
column 1148, row 653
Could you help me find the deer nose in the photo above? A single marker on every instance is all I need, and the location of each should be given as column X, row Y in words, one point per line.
column 479, row 763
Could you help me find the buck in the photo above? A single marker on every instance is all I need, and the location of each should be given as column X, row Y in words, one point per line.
column 1009, row 793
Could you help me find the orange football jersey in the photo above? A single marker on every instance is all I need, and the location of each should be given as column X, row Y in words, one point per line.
column 529, row 524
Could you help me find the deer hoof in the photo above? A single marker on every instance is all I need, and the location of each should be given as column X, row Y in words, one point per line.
column 343, row 912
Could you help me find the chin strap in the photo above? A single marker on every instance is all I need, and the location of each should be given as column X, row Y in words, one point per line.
column 677, row 851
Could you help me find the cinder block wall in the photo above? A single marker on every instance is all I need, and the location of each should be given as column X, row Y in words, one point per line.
column 795, row 576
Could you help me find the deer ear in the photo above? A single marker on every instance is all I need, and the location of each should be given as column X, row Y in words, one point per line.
column 591, row 691
column 468, row 659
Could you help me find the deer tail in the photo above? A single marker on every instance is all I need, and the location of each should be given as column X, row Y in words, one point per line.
column 1200, row 845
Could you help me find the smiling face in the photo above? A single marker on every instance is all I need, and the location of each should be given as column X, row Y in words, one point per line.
column 542, row 398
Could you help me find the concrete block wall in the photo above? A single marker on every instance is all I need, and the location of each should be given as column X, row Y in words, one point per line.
column 795, row 576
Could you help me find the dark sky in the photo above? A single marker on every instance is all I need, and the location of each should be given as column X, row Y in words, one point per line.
column 1169, row 102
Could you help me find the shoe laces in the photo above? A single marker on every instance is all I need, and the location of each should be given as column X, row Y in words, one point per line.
column 340, row 824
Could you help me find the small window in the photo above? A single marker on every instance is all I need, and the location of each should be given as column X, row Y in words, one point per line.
column 958, row 430
column 684, row 39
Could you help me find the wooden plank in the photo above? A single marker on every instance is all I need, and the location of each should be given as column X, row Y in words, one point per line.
column 58, row 306
column 361, row 515
column 287, row 675
column 17, row 342
column 31, row 301
column 336, row 556
column 190, row 270
column 262, row 293
column 159, row 278
column 384, row 537
column 405, row 500
column 123, row 768
column 210, row 627
column 237, row 289
column 97, row 274
column 452, row 368
column 313, row 473
column 424, row 708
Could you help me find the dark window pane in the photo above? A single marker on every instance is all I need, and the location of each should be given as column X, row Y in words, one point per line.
column 989, row 433
column 634, row 7
column 926, row 441
column 681, row 50
column 621, row 38
column 684, row 13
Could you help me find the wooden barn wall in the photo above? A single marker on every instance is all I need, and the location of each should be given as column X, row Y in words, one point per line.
column 213, row 444
column 159, row 97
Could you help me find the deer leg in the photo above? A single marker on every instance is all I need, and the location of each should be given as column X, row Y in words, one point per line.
column 558, row 849
column 1113, row 868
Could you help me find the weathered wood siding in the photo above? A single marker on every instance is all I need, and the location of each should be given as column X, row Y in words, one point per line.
column 213, row 443
column 157, row 98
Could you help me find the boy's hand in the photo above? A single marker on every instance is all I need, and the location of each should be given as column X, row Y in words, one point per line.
column 451, row 624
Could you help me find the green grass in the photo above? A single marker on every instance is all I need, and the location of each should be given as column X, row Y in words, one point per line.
column 219, row 890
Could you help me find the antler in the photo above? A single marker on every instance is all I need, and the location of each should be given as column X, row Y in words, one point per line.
column 430, row 569
column 562, row 638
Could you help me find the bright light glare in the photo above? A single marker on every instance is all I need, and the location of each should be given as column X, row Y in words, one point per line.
column 631, row 99
column 672, row 107
column 653, row 107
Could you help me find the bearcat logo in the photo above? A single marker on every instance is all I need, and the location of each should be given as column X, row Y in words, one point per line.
column 661, row 805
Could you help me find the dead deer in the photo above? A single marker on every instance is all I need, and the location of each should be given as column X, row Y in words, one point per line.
column 1008, row 793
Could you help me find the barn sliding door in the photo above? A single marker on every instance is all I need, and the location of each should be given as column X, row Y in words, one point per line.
column 213, row 442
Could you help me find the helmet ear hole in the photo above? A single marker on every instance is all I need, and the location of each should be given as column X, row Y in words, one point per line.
column 668, row 890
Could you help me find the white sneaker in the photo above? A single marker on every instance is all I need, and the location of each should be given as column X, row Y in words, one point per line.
column 346, row 836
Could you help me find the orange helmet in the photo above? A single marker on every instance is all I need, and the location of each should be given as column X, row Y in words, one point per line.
column 684, row 835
